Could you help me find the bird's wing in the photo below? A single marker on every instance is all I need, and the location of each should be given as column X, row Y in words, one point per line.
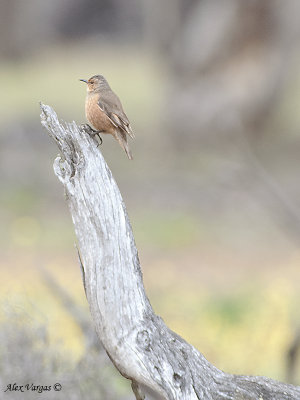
column 111, row 105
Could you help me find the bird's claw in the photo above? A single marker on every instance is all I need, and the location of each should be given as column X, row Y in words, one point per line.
column 100, row 139
column 88, row 129
column 92, row 132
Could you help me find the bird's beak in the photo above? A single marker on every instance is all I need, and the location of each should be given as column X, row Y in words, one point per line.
column 83, row 80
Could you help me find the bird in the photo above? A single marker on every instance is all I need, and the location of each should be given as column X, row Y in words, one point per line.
column 104, row 112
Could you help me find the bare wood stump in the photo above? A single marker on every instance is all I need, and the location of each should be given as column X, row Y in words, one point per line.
column 138, row 342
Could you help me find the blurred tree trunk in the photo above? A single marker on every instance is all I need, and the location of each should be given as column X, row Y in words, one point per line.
column 161, row 21
column 292, row 357
column 229, row 61
column 137, row 341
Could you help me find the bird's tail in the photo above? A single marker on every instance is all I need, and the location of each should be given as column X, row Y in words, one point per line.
column 122, row 139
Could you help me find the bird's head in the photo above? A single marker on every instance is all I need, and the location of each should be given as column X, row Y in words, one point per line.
column 96, row 83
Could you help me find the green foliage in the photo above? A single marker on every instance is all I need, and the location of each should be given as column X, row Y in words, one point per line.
column 165, row 230
column 231, row 309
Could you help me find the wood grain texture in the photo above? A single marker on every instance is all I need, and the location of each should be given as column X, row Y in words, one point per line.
column 138, row 342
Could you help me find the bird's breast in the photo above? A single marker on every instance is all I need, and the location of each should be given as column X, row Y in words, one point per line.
column 96, row 117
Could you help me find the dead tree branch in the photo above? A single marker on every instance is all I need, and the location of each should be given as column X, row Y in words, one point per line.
column 138, row 342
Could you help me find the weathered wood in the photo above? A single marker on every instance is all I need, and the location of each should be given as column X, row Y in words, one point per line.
column 138, row 342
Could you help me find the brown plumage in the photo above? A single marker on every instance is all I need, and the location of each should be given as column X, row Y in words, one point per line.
column 104, row 111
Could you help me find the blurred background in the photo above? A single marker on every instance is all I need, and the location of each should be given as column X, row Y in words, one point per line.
column 212, row 90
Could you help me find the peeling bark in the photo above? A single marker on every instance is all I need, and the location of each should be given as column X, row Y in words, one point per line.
column 137, row 341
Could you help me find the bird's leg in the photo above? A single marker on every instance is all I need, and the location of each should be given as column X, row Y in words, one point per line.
column 92, row 132
column 100, row 138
